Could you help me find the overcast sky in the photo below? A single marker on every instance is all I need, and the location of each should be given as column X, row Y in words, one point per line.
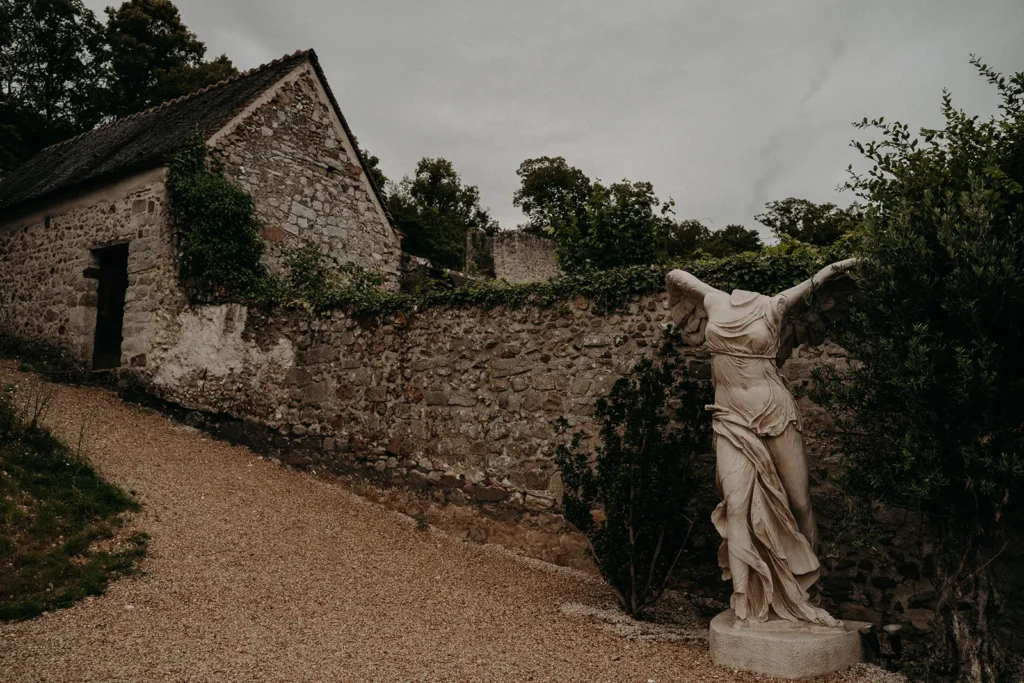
column 721, row 105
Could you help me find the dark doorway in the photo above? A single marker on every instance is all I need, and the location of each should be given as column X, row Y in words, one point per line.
column 113, row 283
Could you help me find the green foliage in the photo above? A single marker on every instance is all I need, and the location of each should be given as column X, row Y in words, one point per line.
column 51, row 75
column 626, row 226
column 435, row 211
column 937, row 394
column 652, row 428
column 801, row 219
column 692, row 239
column 553, row 195
column 153, row 57
column 774, row 269
column 732, row 239
column 595, row 226
column 371, row 164
column 62, row 71
column 55, row 514
column 219, row 243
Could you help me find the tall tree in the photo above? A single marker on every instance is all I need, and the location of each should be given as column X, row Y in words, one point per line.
column 155, row 57
column 51, row 72
column 801, row 219
column 594, row 225
column 732, row 239
column 686, row 238
column 435, row 210
column 626, row 225
column 553, row 195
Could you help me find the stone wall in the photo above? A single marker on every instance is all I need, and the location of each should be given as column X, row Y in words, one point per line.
column 451, row 413
column 47, row 297
column 292, row 155
column 521, row 257
column 512, row 255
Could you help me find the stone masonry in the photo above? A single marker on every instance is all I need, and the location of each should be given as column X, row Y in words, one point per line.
column 451, row 413
column 521, row 257
column 512, row 255
column 48, row 299
column 293, row 157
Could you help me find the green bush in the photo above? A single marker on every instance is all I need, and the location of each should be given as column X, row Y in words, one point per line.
column 218, row 233
column 934, row 409
column 630, row 499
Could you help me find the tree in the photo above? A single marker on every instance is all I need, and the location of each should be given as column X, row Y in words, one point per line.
column 594, row 225
column 435, row 211
column 627, row 225
column 653, row 426
column 733, row 239
column 686, row 238
column 51, row 71
column 803, row 220
column 939, row 383
column 154, row 57
column 553, row 195
column 372, row 167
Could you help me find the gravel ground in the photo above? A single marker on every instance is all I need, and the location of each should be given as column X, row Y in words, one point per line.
column 259, row 572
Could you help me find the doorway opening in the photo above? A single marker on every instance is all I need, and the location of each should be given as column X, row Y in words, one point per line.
column 112, row 264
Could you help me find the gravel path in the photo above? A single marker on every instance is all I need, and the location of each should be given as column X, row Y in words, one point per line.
column 259, row 572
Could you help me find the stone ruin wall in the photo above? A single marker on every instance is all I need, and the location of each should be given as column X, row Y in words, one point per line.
column 512, row 255
column 291, row 155
column 521, row 257
column 46, row 297
column 449, row 415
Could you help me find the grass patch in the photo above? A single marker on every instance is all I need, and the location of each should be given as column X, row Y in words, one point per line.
column 61, row 525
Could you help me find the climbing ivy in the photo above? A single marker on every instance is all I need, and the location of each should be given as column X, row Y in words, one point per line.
column 218, row 233
column 220, row 250
column 770, row 271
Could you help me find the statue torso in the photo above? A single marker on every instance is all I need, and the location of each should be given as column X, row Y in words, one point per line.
column 743, row 337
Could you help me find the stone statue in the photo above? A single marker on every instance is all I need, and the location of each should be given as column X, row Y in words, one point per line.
column 765, row 517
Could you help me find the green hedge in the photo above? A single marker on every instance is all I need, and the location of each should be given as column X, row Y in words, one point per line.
column 768, row 271
column 220, row 254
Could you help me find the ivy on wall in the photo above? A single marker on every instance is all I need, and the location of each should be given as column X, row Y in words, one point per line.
column 220, row 252
column 769, row 271
column 218, row 232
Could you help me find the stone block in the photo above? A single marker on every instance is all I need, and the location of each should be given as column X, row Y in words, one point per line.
column 488, row 494
column 785, row 649
column 377, row 394
column 437, row 398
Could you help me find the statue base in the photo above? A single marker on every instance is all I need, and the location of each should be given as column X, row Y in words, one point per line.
column 785, row 649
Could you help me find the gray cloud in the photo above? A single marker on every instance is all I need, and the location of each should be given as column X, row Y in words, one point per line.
column 723, row 106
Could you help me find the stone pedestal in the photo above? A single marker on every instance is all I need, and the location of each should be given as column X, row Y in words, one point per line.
column 785, row 649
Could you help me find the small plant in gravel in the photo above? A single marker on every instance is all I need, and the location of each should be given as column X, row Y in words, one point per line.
column 61, row 536
column 630, row 496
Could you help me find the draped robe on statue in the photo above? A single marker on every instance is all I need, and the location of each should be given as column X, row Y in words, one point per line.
column 772, row 567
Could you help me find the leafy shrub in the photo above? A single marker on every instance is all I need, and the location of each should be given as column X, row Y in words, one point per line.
column 631, row 499
column 933, row 410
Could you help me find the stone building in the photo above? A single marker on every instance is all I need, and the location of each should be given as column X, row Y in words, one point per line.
column 87, row 254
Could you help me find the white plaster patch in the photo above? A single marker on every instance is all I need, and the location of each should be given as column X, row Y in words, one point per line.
column 210, row 342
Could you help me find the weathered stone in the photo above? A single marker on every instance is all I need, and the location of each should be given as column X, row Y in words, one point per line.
column 784, row 649
column 437, row 398
column 488, row 493
column 452, row 480
column 377, row 394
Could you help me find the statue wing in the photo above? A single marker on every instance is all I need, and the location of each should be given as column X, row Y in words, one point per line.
column 686, row 308
column 810, row 320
